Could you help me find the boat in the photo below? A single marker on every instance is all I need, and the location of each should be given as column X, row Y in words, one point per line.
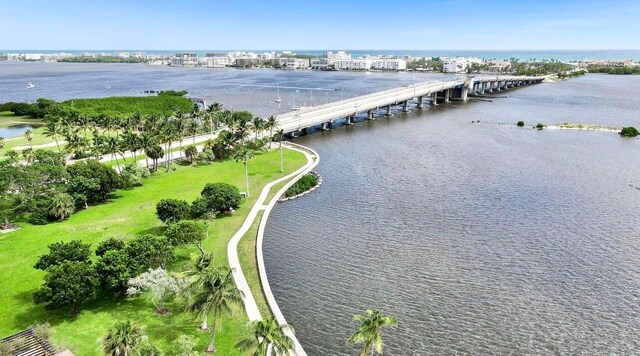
column 278, row 95
column 108, row 87
column 30, row 85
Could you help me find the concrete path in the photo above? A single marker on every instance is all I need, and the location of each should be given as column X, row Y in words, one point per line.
column 250, row 305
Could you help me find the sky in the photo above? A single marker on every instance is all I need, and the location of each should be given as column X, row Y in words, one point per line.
column 319, row 24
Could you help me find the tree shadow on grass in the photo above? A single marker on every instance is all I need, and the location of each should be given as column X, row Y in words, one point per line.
column 156, row 231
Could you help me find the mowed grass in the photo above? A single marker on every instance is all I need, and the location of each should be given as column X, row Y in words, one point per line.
column 123, row 106
column 130, row 213
column 8, row 119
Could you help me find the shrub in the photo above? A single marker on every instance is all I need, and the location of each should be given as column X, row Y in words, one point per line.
column 93, row 179
column 629, row 131
column 520, row 123
column 110, row 244
column 185, row 232
column 60, row 252
column 199, row 208
column 190, row 152
column 305, row 183
column 114, row 270
column 172, row 210
column 132, row 174
column 148, row 251
column 205, row 157
column 158, row 285
column 540, row 126
column 69, row 284
column 183, row 346
column 221, row 197
column 39, row 217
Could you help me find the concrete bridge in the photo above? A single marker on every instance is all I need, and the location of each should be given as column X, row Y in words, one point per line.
column 435, row 92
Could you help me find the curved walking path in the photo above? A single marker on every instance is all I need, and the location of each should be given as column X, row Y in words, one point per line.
column 250, row 305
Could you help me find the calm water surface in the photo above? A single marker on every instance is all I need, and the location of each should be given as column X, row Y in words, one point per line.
column 480, row 238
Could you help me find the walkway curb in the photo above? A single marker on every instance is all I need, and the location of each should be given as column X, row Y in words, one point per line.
column 264, row 280
column 250, row 305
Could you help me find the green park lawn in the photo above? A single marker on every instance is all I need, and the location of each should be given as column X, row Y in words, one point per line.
column 129, row 213
column 8, row 119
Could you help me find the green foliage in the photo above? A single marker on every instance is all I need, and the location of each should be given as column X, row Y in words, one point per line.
column 173, row 92
column 124, row 106
column 69, row 284
column 132, row 174
column 172, row 210
column 60, row 252
column 145, row 348
column 543, row 67
column 520, row 123
column 110, row 244
column 629, row 131
column 35, row 110
column 114, row 270
column 122, row 338
column 540, row 126
column 305, row 183
column 183, row 346
column 185, row 232
column 205, row 157
column 62, row 206
column 93, row 179
column 619, row 70
column 199, row 208
column 190, row 152
column 148, row 251
column 39, row 217
column 221, row 197
column 101, row 59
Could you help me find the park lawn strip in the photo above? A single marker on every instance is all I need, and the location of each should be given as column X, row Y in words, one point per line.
column 249, row 264
column 123, row 106
column 131, row 212
column 7, row 118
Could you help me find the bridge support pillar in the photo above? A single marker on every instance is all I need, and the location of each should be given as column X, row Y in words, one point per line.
column 434, row 98
column 491, row 84
column 349, row 120
column 420, row 102
column 447, row 95
column 498, row 86
column 482, row 86
column 370, row 115
column 325, row 126
column 405, row 106
column 388, row 110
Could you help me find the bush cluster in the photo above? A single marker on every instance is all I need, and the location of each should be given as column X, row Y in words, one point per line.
column 305, row 183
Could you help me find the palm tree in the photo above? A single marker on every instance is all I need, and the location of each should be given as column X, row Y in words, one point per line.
column 258, row 125
column 84, row 123
column 271, row 124
column 212, row 292
column 13, row 156
column 279, row 137
column 122, row 338
column 146, row 141
column 76, row 143
column 192, row 129
column 267, row 334
column 27, row 154
column 131, row 142
column 113, row 146
column 62, row 206
column 29, row 136
column 369, row 331
column 180, row 127
column 52, row 129
column 154, row 152
column 244, row 154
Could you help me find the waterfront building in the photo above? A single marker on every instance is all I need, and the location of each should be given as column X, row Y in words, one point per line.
column 321, row 63
column 217, row 60
column 138, row 55
column 339, row 55
column 499, row 66
column 388, row 64
column 122, row 54
column 458, row 64
column 32, row 56
column 184, row 59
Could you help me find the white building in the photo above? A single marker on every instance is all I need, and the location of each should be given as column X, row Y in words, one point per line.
column 122, row 54
column 458, row 64
column 138, row 55
column 321, row 63
column 218, row 61
column 184, row 59
column 32, row 56
column 388, row 64
column 361, row 64
column 339, row 55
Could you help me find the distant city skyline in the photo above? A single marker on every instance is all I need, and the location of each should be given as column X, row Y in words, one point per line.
column 354, row 25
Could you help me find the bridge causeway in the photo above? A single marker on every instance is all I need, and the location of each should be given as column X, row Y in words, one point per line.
column 435, row 92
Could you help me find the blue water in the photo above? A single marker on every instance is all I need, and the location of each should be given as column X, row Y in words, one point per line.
column 561, row 55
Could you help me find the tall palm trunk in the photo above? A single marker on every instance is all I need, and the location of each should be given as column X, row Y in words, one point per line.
column 281, row 160
column 246, row 176
column 57, row 144
column 212, row 348
column 117, row 163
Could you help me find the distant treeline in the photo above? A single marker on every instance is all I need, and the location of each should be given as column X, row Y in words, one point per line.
column 165, row 103
column 105, row 59
column 571, row 74
column 614, row 70
column 539, row 68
